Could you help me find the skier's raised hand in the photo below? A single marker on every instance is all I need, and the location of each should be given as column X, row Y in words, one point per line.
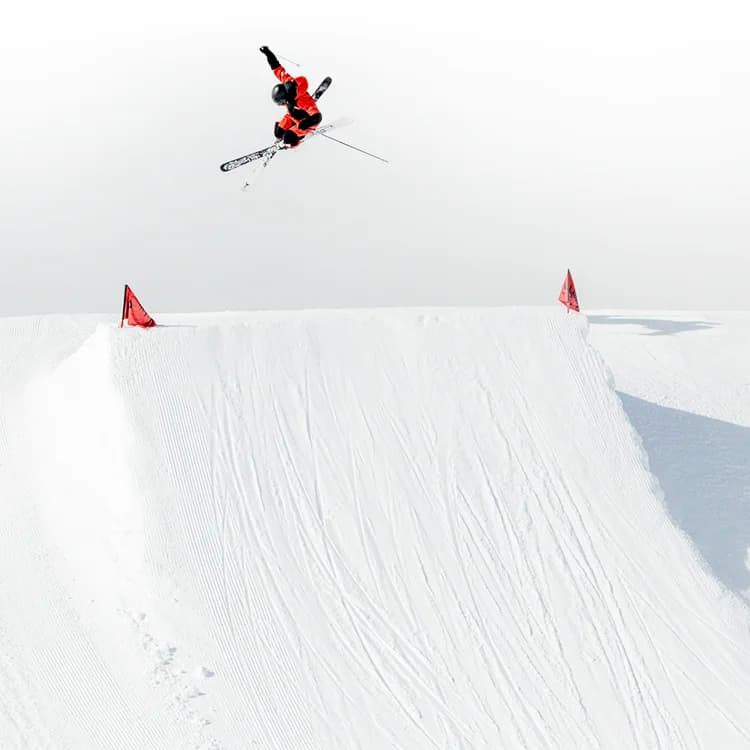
column 272, row 61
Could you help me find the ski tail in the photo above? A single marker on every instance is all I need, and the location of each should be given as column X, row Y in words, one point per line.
column 326, row 126
column 322, row 87
column 228, row 166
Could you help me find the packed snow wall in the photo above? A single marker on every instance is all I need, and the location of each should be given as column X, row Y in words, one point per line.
column 372, row 529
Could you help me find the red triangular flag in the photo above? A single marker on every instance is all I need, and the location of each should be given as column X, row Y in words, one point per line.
column 134, row 312
column 568, row 295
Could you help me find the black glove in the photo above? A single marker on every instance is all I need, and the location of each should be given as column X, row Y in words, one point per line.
column 291, row 139
column 297, row 114
column 278, row 131
column 310, row 121
column 272, row 61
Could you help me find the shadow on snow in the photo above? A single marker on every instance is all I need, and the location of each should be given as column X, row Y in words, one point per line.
column 656, row 326
column 703, row 466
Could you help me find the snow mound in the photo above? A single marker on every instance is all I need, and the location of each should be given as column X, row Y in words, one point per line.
column 378, row 529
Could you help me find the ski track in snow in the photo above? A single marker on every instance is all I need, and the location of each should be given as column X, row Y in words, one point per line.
column 370, row 529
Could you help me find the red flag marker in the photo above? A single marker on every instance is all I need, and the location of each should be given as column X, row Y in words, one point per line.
column 134, row 312
column 568, row 295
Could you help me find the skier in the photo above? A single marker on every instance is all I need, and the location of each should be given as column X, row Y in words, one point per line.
column 303, row 115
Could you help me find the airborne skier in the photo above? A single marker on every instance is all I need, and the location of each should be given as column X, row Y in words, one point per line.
column 302, row 119
column 303, row 115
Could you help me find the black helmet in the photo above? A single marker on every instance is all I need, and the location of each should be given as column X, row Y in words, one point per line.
column 285, row 93
column 278, row 94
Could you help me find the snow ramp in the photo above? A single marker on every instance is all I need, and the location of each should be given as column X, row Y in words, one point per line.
column 373, row 529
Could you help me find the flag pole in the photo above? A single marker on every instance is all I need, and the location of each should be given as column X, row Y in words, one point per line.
column 124, row 304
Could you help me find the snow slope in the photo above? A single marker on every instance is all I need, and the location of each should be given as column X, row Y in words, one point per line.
column 372, row 529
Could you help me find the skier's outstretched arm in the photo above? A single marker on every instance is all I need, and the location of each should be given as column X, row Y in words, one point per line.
column 273, row 61
column 276, row 66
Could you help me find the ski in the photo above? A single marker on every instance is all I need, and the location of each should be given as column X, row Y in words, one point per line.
column 269, row 152
column 322, row 87
column 227, row 166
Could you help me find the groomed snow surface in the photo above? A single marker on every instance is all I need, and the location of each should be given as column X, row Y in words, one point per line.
column 447, row 529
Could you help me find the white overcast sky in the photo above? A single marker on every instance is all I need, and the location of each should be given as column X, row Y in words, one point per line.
column 524, row 138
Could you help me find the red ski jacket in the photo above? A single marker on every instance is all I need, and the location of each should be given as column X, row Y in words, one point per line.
column 303, row 107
